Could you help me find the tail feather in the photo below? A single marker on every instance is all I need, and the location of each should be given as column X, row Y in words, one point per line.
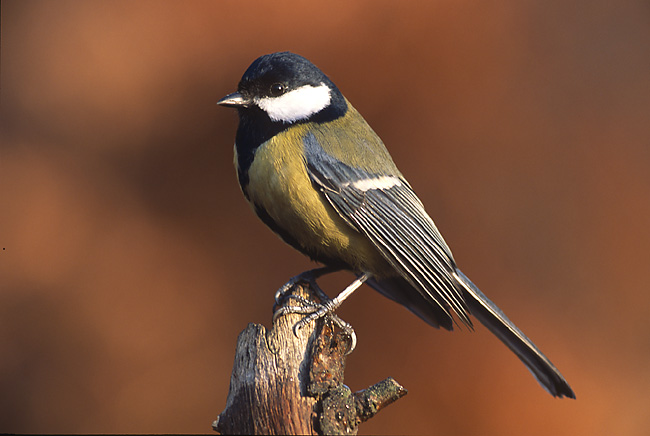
column 498, row 323
column 399, row 290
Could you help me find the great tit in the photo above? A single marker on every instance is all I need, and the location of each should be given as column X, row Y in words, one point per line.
column 317, row 174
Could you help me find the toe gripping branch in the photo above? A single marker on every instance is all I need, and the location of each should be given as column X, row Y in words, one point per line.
column 312, row 310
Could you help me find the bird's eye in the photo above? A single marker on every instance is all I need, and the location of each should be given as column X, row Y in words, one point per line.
column 277, row 89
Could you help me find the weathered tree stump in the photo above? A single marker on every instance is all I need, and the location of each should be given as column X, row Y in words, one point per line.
column 286, row 383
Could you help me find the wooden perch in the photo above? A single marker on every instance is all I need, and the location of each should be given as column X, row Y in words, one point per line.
column 283, row 383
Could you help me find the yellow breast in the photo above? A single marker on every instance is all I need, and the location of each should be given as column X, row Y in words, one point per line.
column 279, row 183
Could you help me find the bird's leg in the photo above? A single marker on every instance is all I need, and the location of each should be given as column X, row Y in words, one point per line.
column 315, row 310
column 328, row 308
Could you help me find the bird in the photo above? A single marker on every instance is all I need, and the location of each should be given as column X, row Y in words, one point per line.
column 317, row 174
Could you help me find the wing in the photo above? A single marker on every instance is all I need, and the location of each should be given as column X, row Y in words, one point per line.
column 386, row 210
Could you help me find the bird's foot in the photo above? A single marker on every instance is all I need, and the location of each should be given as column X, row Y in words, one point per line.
column 313, row 310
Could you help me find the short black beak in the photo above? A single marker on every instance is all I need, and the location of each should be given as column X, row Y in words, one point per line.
column 235, row 100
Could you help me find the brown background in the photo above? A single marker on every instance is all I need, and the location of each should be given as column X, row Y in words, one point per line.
column 130, row 260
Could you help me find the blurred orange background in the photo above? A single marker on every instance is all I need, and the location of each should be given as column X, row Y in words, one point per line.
column 130, row 260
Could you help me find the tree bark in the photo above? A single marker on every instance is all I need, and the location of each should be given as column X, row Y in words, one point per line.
column 286, row 383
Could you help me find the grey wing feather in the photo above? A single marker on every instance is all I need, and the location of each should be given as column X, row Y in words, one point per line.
column 395, row 222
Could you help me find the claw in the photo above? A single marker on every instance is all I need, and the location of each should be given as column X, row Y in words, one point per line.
column 296, row 327
column 347, row 328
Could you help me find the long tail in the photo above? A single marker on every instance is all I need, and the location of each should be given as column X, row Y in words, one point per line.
column 498, row 323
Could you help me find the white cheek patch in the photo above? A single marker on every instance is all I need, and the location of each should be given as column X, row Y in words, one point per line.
column 383, row 182
column 296, row 105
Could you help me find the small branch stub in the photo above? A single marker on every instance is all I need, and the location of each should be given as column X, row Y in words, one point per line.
column 286, row 383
